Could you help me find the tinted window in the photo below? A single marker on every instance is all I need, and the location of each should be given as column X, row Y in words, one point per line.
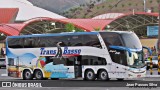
column 11, row 61
column 15, row 42
column 131, row 40
column 91, row 40
column 65, row 61
column 111, row 38
column 70, row 61
column 118, row 56
column 93, row 60
column 51, row 41
column 29, row 42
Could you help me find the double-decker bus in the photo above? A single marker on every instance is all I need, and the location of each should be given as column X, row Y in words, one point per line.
column 87, row 55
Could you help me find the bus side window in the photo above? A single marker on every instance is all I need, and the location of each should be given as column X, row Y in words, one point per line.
column 70, row 61
column 93, row 60
column 92, row 40
column 15, row 42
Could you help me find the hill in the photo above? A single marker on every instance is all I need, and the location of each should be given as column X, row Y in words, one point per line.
column 107, row 6
column 59, row 6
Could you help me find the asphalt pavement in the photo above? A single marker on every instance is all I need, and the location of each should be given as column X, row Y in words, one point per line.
column 79, row 84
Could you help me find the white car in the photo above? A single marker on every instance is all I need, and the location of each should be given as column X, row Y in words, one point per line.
column 154, row 60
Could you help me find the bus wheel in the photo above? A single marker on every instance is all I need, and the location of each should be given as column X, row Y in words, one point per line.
column 38, row 74
column 120, row 79
column 27, row 75
column 103, row 75
column 89, row 75
column 54, row 78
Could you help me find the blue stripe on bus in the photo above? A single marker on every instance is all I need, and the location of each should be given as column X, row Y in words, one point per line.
column 56, row 34
column 121, row 48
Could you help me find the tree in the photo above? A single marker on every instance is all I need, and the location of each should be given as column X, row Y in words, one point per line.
column 97, row 28
column 129, row 4
column 79, row 30
column 122, row 5
column 69, row 27
column 110, row 6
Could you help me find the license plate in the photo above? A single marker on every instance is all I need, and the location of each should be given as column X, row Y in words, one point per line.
column 138, row 75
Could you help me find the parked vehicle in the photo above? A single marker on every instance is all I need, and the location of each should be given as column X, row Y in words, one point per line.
column 154, row 60
column 2, row 62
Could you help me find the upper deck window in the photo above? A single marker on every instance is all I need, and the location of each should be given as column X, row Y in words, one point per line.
column 51, row 41
column 111, row 39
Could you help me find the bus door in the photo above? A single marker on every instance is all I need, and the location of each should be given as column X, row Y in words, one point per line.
column 119, row 57
column 78, row 67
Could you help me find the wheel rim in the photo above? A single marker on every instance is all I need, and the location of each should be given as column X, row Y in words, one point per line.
column 90, row 75
column 28, row 74
column 38, row 74
column 103, row 75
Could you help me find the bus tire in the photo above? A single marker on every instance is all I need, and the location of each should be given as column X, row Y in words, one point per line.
column 54, row 78
column 147, row 67
column 27, row 75
column 103, row 75
column 120, row 79
column 38, row 74
column 89, row 75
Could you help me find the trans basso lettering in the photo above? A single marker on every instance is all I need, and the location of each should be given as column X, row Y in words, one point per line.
column 66, row 50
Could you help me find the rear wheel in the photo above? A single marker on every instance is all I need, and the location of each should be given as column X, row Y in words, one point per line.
column 27, row 75
column 89, row 75
column 38, row 75
column 103, row 75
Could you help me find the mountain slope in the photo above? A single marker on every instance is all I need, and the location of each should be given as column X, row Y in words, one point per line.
column 109, row 6
column 58, row 5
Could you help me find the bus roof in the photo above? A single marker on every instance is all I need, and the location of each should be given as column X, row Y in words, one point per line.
column 66, row 33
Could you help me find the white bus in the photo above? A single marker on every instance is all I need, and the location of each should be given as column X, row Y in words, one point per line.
column 87, row 55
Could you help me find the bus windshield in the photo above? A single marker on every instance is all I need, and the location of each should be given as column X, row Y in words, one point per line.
column 118, row 45
column 136, row 61
column 131, row 41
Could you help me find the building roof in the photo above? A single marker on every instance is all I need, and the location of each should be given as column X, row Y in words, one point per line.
column 108, row 16
column 8, row 15
column 27, row 11
column 10, row 29
column 119, row 15
column 86, row 24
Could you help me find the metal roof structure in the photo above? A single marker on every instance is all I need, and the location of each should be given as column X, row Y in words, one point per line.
column 136, row 22
column 108, row 16
column 8, row 15
column 27, row 10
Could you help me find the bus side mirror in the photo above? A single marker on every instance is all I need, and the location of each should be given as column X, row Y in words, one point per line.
column 148, row 49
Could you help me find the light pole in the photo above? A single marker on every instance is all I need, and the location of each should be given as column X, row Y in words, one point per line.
column 144, row 2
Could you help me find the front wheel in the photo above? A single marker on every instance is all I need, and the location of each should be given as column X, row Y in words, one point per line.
column 147, row 67
column 89, row 75
column 27, row 75
column 103, row 75
column 38, row 75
